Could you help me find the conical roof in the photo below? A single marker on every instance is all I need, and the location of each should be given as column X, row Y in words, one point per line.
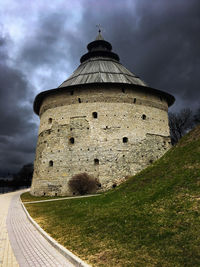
column 101, row 65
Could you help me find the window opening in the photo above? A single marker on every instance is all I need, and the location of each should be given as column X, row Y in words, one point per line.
column 95, row 115
column 50, row 163
column 79, row 100
column 125, row 139
column 50, row 120
column 114, row 185
column 123, row 91
column 144, row 117
column 134, row 100
column 96, row 161
column 72, row 92
column 71, row 140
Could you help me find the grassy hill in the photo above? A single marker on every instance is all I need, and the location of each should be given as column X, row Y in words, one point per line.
column 151, row 220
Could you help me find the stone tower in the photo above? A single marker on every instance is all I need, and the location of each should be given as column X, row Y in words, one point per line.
column 103, row 120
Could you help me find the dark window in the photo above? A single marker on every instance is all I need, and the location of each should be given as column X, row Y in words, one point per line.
column 96, row 161
column 125, row 139
column 144, row 117
column 123, row 91
column 56, row 194
column 72, row 92
column 50, row 120
column 51, row 163
column 44, row 194
column 95, row 115
column 134, row 100
column 71, row 140
column 79, row 100
column 114, row 185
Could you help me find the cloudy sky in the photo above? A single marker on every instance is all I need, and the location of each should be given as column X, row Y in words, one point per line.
column 42, row 41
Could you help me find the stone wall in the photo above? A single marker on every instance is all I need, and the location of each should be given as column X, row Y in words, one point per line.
column 108, row 133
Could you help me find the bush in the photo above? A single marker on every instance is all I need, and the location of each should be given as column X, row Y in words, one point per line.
column 83, row 183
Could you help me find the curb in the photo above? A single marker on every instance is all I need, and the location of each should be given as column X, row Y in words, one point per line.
column 58, row 199
column 65, row 252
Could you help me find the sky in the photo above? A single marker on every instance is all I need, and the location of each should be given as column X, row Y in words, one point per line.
column 41, row 43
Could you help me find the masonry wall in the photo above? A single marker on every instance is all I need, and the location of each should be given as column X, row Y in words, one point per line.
column 108, row 133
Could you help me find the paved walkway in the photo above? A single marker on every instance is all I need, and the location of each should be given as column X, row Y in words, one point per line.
column 7, row 257
column 20, row 243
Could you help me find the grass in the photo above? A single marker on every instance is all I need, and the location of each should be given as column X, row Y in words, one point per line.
column 150, row 220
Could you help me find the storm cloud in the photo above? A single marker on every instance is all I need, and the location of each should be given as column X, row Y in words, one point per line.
column 40, row 46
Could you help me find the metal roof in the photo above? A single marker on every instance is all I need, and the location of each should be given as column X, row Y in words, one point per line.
column 102, row 70
column 101, row 66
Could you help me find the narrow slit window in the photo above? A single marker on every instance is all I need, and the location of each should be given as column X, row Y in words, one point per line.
column 134, row 100
column 51, row 163
column 96, row 161
column 79, row 100
column 144, row 117
column 50, row 120
column 71, row 140
column 95, row 115
column 125, row 139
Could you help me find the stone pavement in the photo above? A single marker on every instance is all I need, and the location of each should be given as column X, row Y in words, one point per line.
column 7, row 257
column 20, row 243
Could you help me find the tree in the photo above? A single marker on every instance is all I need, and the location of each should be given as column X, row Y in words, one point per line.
column 197, row 117
column 180, row 123
column 24, row 176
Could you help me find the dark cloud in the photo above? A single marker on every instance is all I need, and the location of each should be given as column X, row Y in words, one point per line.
column 18, row 130
column 157, row 40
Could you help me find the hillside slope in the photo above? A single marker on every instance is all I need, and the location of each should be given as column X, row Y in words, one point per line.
column 151, row 220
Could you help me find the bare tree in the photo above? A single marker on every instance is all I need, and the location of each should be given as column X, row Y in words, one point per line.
column 197, row 117
column 180, row 123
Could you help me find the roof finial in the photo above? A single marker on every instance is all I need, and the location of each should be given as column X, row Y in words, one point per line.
column 99, row 36
column 99, row 26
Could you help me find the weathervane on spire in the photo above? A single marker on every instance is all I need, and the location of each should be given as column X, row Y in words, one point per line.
column 100, row 27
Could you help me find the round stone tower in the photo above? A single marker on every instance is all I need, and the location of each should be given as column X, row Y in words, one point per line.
column 103, row 120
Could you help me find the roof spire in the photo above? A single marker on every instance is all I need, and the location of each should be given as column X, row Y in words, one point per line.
column 99, row 36
column 99, row 26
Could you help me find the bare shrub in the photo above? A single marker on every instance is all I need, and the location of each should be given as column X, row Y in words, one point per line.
column 83, row 183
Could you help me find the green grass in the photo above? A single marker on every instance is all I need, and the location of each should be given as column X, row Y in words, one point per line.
column 150, row 220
